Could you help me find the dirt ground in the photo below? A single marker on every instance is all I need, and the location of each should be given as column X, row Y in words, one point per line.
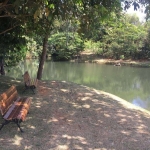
column 68, row 116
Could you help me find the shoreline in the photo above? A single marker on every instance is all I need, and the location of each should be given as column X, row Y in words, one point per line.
column 88, row 57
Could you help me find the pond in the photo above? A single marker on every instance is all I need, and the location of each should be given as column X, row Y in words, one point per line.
column 129, row 83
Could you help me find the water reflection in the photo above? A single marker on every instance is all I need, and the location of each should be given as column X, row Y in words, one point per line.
column 131, row 84
column 139, row 102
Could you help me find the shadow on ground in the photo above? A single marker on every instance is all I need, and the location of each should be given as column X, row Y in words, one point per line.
column 67, row 116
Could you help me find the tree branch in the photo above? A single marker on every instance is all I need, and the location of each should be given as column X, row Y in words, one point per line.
column 9, row 29
column 5, row 2
column 8, row 16
column 15, row 16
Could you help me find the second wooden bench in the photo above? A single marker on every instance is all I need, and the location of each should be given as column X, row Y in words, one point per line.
column 29, row 83
column 13, row 108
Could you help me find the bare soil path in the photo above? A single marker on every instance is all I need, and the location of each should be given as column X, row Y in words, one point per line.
column 68, row 116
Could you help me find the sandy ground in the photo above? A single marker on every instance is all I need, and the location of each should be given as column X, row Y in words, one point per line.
column 84, row 118
column 68, row 116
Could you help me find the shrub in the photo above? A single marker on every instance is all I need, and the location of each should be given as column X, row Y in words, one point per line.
column 65, row 45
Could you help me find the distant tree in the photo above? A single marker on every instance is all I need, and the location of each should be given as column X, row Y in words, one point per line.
column 132, row 19
column 65, row 46
column 122, row 39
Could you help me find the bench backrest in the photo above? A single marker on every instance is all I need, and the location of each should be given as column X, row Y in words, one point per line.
column 28, row 81
column 26, row 77
column 7, row 98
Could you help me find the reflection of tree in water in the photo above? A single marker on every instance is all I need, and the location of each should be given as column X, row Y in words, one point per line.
column 27, row 65
column 136, row 84
column 143, row 74
column 125, row 82
column 63, row 71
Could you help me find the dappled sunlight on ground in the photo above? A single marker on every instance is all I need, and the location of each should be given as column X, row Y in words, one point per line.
column 66, row 116
column 83, row 118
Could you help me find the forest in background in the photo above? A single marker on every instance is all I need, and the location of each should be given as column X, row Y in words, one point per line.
column 117, row 38
column 63, row 29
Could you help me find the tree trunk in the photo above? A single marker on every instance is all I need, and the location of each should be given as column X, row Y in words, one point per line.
column 42, row 58
column 2, row 71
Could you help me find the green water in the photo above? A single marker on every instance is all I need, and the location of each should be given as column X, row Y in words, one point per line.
column 129, row 83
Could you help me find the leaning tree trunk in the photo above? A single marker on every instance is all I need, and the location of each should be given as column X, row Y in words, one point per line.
column 42, row 58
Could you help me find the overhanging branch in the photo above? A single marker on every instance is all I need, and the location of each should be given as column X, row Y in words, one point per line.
column 4, row 3
column 14, row 16
column 8, row 29
column 8, row 16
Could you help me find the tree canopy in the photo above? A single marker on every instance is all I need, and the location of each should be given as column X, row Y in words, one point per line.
column 20, row 18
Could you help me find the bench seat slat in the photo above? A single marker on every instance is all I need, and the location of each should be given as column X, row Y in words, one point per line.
column 11, row 109
column 18, row 110
column 23, row 112
column 25, row 108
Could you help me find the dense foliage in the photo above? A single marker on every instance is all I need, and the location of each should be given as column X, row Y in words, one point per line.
column 63, row 46
column 13, row 43
column 99, row 21
column 117, row 38
column 123, row 39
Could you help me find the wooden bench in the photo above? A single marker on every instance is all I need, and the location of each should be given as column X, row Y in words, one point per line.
column 29, row 83
column 13, row 108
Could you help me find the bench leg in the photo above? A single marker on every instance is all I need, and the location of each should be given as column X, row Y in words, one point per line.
column 4, row 123
column 24, row 90
column 30, row 87
column 33, row 90
column 18, row 124
column 15, row 121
